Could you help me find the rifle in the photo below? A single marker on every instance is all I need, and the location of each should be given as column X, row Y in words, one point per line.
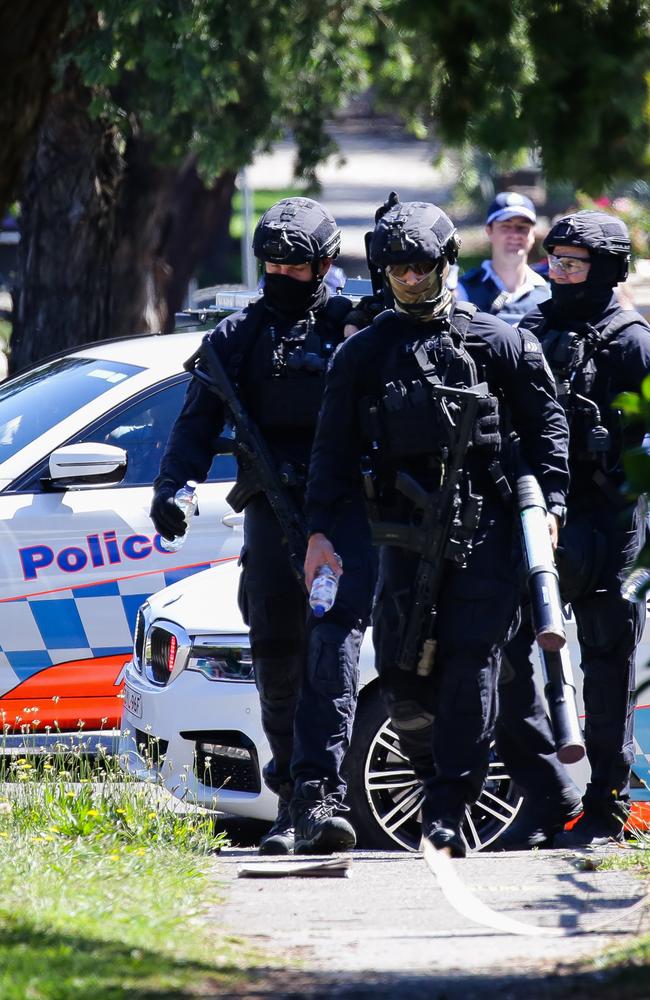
column 444, row 529
column 257, row 468
column 546, row 613
column 377, row 273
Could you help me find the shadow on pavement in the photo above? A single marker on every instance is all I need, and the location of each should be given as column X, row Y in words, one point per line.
column 285, row 984
column 241, row 831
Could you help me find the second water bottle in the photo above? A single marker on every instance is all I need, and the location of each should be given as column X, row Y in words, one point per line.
column 185, row 498
column 323, row 591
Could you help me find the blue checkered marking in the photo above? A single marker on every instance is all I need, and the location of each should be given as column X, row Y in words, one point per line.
column 26, row 663
column 59, row 624
column 110, row 589
column 59, row 621
column 174, row 575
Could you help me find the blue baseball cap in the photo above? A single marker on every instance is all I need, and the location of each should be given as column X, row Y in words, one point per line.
column 509, row 205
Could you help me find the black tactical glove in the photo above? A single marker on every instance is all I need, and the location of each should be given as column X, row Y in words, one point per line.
column 365, row 311
column 167, row 517
column 487, row 435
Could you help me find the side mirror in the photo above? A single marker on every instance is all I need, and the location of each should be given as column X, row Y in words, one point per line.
column 87, row 464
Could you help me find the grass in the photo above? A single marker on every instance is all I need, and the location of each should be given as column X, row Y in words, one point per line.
column 262, row 200
column 5, row 334
column 628, row 967
column 105, row 890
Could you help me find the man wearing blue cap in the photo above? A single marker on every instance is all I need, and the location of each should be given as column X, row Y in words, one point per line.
column 505, row 285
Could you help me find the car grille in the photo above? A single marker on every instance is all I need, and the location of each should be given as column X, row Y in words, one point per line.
column 226, row 759
column 138, row 639
column 162, row 643
column 152, row 748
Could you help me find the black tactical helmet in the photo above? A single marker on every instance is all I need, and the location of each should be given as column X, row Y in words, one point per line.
column 603, row 235
column 296, row 231
column 411, row 232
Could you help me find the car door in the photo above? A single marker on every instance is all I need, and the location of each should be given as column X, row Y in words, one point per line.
column 77, row 562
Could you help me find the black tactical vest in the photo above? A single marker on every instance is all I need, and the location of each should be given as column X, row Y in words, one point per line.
column 577, row 363
column 284, row 374
column 399, row 418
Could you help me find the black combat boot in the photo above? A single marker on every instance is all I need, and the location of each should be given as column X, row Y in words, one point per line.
column 280, row 838
column 445, row 833
column 538, row 822
column 601, row 823
column 318, row 829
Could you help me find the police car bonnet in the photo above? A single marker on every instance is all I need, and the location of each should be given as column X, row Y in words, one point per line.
column 414, row 231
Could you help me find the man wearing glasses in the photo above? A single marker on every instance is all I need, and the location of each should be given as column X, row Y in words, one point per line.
column 596, row 350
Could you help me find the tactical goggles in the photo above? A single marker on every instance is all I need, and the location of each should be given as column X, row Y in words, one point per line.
column 420, row 267
column 568, row 265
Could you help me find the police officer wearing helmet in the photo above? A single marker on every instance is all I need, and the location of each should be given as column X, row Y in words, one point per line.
column 596, row 350
column 379, row 407
column 276, row 352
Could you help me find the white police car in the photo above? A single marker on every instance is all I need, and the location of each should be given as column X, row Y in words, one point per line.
column 192, row 721
column 81, row 436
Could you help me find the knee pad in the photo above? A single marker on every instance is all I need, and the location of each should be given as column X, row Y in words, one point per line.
column 409, row 716
column 608, row 630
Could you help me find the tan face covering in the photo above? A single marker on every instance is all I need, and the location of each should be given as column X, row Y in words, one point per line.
column 426, row 299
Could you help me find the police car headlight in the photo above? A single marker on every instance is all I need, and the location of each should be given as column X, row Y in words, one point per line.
column 139, row 633
column 222, row 658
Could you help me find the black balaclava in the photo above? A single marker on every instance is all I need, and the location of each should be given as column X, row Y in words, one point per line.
column 580, row 302
column 293, row 298
column 607, row 240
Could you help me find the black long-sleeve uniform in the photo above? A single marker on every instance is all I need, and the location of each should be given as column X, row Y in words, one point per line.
column 599, row 541
column 306, row 671
column 477, row 604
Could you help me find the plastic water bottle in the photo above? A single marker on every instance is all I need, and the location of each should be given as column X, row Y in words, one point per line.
column 323, row 591
column 636, row 584
column 185, row 498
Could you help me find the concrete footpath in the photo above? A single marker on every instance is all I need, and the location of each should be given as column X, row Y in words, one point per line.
column 387, row 930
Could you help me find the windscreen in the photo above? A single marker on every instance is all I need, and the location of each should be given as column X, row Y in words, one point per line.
column 33, row 402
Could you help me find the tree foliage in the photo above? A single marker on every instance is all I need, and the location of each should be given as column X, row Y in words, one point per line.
column 568, row 78
column 221, row 80
column 170, row 98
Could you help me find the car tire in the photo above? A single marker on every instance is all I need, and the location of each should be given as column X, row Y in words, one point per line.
column 385, row 797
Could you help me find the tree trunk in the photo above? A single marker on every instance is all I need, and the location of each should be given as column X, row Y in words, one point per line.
column 68, row 223
column 168, row 219
column 200, row 225
column 29, row 41
column 108, row 244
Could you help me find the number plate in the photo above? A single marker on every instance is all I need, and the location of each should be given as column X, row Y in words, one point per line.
column 133, row 701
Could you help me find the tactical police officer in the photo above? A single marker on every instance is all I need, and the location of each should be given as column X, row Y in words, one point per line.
column 393, row 407
column 276, row 352
column 596, row 350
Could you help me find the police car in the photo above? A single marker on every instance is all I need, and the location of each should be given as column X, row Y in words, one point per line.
column 192, row 722
column 81, row 436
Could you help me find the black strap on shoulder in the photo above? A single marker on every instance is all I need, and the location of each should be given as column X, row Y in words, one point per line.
column 462, row 315
column 250, row 326
column 623, row 319
column 383, row 316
